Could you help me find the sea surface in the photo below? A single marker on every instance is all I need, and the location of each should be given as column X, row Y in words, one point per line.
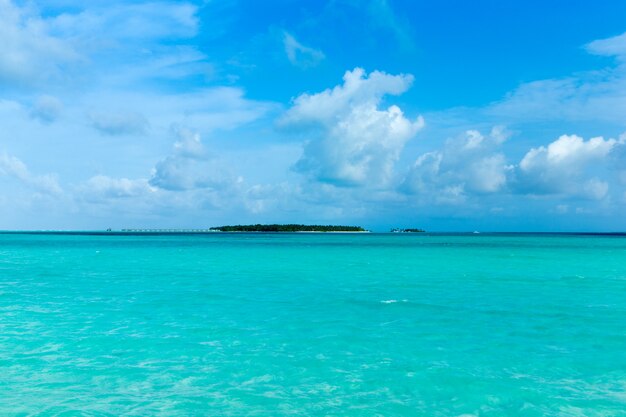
column 312, row 325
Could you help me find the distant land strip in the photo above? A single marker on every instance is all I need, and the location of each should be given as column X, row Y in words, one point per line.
column 288, row 228
column 213, row 231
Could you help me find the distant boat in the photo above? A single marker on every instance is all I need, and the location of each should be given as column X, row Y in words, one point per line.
column 476, row 232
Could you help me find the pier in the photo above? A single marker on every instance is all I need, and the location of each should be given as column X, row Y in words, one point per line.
column 168, row 231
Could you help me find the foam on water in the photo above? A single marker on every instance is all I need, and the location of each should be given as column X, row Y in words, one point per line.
column 393, row 301
column 309, row 324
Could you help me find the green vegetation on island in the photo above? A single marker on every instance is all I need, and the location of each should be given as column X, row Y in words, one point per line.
column 287, row 228
column 396, row 230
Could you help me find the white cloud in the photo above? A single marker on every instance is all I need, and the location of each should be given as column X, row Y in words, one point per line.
column 189, row 180
column 358, row 89
column 592, row 96
column 29, row 52
column 102, row 187
column 189, row 144
column 354, row 143
column 190, row 167
column 567, row 152
column 14, row 167
column 119, row 123
column 127, row 21
column 165, row 64
column 472, row 163
column 36, row 49
column 594, row 189
column 261, row 198
column 300, row 55
column 614, row 46
column 206, row 110
column 563, row 167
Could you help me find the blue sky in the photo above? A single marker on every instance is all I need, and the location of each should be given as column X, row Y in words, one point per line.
column 446, row 115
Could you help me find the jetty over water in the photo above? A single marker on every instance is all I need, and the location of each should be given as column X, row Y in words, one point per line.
column 168, row 231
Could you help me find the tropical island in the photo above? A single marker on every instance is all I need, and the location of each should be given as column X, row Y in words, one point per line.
column 287, row 228
column 396, row 230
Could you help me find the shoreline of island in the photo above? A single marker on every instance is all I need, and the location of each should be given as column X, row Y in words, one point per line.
column 288, row 228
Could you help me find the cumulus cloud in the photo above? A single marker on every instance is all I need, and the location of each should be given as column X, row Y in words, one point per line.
column 260, row 198
column 353, row 142
column 189, row 178
column 103, row 187
column 120, row 123
column 46, row 109
column 300, row 55
column 472, row 163
column 563, row 167
column 14, row 167
column 188, row 144
column 617, row 160
column 190, row 167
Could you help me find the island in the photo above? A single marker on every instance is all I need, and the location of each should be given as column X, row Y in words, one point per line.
column 288, row 228
column 396, row 230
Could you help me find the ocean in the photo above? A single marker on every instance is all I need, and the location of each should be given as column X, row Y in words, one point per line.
column 313, row 325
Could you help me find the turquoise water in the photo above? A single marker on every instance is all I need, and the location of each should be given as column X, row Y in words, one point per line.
column 313, row 324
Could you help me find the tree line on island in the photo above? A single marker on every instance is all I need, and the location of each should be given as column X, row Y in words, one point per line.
column 302, row 228
column 287, row 228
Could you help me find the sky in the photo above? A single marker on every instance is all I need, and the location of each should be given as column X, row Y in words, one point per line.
column 445, row 115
